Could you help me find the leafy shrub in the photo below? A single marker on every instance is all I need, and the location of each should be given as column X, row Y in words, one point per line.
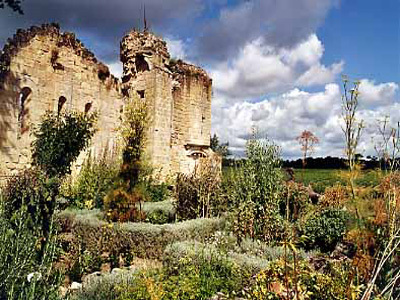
column 59, row 141
column 203, row 272
column 246, row 263
column 326, row 229
column 195, row 191
column 159, row 212
column 156, row 190
column 108, row 286
column 133, row 133
column 296, row 200
column 122, row 207
column 93, row 182
column 141, row 239
column 301, row 281
column 256, row 192
column 33, row 192
column 26, row 271
column 334, row 197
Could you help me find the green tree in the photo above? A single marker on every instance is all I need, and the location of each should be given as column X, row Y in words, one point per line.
column 257, row 186
column 221, row 149
column 59, row 141
column 133, row 132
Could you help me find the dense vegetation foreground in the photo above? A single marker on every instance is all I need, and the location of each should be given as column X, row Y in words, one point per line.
column 252, row 232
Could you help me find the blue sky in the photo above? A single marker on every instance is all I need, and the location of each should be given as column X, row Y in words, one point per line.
column 276, row 65
column 366, row 35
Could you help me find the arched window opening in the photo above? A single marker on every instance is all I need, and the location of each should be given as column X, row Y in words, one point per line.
column 88, row 106
column 141, row 94
column 22, row 107
column 141, row 64
column 61, row 102
column 197, row 155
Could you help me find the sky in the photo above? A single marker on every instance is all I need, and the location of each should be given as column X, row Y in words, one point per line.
column 275, row 65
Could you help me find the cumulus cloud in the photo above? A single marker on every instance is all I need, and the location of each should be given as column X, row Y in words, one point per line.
column 283, row 117
column 177, row 48
column 261, row 68
column 377, row 94
column 282, row 23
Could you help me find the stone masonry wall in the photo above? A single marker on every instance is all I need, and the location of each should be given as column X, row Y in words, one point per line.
column 45, row 68
column 146, row 76
column 191, row 117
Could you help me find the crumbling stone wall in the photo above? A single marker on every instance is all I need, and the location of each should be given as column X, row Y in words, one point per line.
column 179, row 101
column 146, row 76
column 192, row 116
column 44, row 69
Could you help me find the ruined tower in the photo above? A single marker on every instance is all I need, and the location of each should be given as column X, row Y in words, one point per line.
column 178, row 96
column 145, row 75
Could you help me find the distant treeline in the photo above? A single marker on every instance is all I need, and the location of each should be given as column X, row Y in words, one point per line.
column 327, row 162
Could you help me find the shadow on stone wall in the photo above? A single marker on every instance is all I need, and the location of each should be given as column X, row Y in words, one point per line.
column 8, row 102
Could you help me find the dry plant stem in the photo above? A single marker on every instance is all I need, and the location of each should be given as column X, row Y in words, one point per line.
column 352, row 128
column 389, row 250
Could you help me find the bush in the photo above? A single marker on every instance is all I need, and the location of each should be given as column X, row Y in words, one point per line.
column 325, row 230
column 133, row 133
column 159, row 212
column 196, row 191
column 301, row 281
column 93, row 182
column 334, row 197
column 141, row 239
column 59, row 141
column 256, row 192
column 26, row 271
column 107, row 286
column 122, row 207
column 33, row 192
column 296, row 201
column 246, row 263
column 157, row 192
column 203, row 271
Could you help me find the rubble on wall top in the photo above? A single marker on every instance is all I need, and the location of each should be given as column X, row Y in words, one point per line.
column 180, row 68
column 140, row 42
column 65, row 39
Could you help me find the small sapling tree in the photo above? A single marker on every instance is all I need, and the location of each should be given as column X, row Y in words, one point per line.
column 307, row 140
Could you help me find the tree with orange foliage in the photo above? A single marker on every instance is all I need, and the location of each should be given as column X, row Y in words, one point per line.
column 307, row 140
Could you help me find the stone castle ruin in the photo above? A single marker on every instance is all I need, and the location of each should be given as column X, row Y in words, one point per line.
column 45, row 69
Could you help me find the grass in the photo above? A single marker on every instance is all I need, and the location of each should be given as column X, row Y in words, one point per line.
column 319, row 179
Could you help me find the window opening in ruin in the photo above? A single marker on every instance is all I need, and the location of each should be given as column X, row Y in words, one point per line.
column 23, row 99
column 61, row 102
column 141, row 64
column 197, row 155
column 88, row 106
column 141, row 94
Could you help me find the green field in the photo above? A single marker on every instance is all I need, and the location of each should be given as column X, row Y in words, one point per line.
column 319, row 179
column 322, row 178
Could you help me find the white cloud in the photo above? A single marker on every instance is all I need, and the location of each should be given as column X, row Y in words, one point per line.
column 284, row 117
column 115, row 68
column 176, row 47
column 260, row 69
column 377, row 94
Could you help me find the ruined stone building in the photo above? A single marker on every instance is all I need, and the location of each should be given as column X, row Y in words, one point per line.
column 45, row 69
